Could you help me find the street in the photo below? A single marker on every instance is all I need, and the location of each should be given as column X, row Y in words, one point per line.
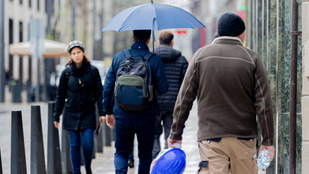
column 103, row 162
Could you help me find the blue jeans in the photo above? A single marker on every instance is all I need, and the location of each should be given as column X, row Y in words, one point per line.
column 167, row 118
column 86, row 140
column 125, row 129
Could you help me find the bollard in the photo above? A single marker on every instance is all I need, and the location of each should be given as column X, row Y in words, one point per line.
column 0, row 164
column 37, row 164
column 107, row 135
column 113, row 134
column 53, row 147
column 16, row 91
column 65, row 155
column 18, row 157
column 99, row 138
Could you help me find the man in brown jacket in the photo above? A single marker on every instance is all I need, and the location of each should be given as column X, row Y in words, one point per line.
column 230, row 83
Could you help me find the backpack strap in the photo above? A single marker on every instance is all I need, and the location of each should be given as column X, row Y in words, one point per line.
column 127, row 53
column 148, row 56
column 68, row 72
column 68, row 69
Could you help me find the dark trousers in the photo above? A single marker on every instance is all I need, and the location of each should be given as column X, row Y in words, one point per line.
column 165, row 118
column 86, row 141
column 125, row 129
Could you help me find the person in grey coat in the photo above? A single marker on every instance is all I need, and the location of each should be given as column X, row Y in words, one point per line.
column 175, row 66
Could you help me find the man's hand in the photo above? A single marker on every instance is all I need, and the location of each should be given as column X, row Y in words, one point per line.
column 56, row 123
column 110, row 121
column 271, row 150
column 171, row 142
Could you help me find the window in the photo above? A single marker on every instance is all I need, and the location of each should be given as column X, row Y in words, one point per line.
column 20, row 31
column 49, row 6
column 38, row 5
column 11, row 27
column 21, row 76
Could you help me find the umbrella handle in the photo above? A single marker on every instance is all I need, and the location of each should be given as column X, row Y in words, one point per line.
column 152, row 40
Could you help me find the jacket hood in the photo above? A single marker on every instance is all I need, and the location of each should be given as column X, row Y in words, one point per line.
column 167, row 53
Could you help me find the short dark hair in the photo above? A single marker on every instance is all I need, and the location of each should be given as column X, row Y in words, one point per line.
column 166, row 37
column 141, row 35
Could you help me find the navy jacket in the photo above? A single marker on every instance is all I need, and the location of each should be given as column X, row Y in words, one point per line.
column 79, row 93
column 175, row 66
column 159, row 82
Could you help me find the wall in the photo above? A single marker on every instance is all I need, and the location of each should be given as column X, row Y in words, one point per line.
column 269, row 34
column 305, row 90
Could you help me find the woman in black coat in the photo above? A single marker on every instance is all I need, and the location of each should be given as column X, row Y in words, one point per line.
column 80, row 88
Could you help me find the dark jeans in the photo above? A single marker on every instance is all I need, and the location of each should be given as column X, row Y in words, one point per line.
column 167, row 118
column 125, row 129
column 86, row 141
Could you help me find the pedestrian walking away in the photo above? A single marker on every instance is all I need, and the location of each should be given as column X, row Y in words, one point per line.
column 175, row 66
column 130, row 102
column 231, row 87
column 80, row 84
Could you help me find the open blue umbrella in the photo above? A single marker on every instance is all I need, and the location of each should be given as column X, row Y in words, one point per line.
column 152, row 16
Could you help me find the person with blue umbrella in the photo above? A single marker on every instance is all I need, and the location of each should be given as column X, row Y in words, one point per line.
column 142, row 19
column 121, row 99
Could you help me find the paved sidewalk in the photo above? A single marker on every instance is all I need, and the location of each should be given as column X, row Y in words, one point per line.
column 104, row 162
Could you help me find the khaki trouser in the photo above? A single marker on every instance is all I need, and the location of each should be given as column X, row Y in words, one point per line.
column 228, row 156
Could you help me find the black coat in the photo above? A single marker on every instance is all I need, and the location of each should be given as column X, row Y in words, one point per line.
column 78, row 91
column 175, row 66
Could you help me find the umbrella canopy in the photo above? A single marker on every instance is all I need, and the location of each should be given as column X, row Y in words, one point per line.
column 52, row 49
column 152, row 16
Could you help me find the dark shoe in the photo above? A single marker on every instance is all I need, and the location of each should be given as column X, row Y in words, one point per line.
column 88, row 172
column 131, row 163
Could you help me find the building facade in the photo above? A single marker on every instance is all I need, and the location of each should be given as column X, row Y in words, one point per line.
column 269, row 34
column 17, row 16
column 305, row 86
column 58, row 24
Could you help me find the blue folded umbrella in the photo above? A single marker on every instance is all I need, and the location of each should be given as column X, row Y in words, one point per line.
column 152, row 16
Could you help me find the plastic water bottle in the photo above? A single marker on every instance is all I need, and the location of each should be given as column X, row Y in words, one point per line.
column 177, row 145
column 263, row 160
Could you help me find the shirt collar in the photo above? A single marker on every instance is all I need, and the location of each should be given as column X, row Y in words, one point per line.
column 227, row 39
column 140, row 45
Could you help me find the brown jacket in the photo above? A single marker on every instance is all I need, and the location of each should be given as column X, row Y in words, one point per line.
column 231, row 87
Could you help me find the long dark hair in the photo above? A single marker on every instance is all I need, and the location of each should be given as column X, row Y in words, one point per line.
column 85, row 58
